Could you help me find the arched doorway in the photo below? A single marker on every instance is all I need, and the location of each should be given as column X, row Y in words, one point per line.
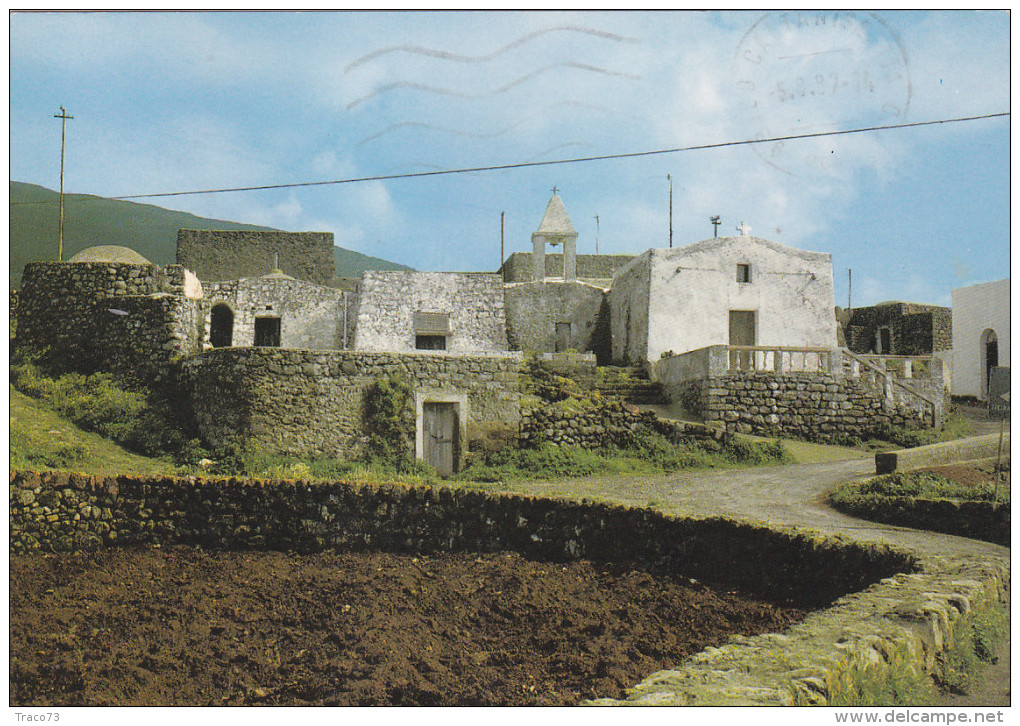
column 989, row 358
column 221, row 326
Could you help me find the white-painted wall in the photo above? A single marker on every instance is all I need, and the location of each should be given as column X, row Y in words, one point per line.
column 976, row 309
column 692, row 289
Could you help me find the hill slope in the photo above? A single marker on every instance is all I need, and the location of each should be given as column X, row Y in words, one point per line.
column 149, row 230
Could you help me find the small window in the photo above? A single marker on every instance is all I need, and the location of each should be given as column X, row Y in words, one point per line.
column 267, row 332
column 743, row 273
column 430, row 342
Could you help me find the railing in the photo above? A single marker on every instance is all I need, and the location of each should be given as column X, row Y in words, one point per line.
column 875, row 372
column 901, row 366
column 779, row 359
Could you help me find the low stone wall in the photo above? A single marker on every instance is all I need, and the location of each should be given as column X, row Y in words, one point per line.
column 813, row 406
column 612, row 424
column 947, row 452
column 59, row 511
column 306, row 402
column 988, row 521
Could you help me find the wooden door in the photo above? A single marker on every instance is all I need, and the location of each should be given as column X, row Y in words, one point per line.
column 742, row 333
column 440, row 423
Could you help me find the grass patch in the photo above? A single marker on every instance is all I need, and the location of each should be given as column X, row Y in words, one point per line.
column 40, row 439
column 895, row 679
column 886, row 437
column 975, row 640
column 919, row 485
column 653, row 454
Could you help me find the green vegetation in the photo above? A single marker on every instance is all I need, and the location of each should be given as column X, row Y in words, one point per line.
column 975, row 639
column 40, row 439
column 652, row 454
column 954, row 427
column 139, row 420
column 919, row 485
column 894, row 679
column 149, row 230
column 389, row 426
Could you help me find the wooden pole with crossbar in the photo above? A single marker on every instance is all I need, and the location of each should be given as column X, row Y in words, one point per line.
column 63, row 134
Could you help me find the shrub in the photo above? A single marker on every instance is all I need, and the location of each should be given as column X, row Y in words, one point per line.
column 389, row 423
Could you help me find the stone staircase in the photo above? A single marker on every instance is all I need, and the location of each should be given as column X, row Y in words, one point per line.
column 629, row 384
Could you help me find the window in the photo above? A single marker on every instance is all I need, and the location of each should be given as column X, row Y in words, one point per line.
column 743, row 273
column 431, row 330
column 267, row 332
column 430, row 342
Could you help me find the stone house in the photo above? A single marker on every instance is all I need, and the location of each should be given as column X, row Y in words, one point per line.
column 743, row 291
column 897, row 328
column 981, row 336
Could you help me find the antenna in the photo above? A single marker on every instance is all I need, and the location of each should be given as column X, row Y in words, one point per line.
column 596, row 234
column 670, row 209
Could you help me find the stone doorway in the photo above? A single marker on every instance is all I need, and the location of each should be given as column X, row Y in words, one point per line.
column 267, row 333
column 221, row 326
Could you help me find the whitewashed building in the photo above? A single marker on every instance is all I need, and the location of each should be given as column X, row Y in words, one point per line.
column 980, row 336
column 743, row 290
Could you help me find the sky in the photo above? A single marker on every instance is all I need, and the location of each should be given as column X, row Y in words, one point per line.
column 183, row 101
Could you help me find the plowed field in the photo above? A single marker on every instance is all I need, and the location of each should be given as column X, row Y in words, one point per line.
column 183, row 626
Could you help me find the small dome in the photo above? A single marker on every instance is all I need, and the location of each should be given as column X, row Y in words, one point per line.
column 277, row 275
column 110, row 253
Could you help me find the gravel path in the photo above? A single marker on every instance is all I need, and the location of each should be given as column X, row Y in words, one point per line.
column 787, row 496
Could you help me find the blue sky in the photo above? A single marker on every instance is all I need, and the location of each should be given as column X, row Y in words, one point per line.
column 166, row 102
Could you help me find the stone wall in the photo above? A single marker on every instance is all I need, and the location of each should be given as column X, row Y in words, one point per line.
column 533, row 310
column 389, row 302
column 234, row 254
column 85, row 315
column 58, row 511
column 311, row 316
column 517, row 267
column 307, row 403
column 913, row 329
column 814, row 406
column 612, row 424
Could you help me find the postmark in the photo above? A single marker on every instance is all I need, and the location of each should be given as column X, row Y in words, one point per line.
column 804, row 72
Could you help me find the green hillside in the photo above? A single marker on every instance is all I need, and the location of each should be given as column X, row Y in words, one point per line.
column 149, row 230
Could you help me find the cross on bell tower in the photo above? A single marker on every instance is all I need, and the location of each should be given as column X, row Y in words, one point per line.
column 744, row 229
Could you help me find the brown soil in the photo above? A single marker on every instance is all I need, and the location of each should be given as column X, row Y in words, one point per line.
column 181, row 626
column 972, row 473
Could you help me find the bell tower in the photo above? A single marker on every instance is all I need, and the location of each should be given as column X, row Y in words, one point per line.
column 555, row 229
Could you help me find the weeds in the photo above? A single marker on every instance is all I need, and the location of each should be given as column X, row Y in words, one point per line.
column 919, row 485
column 865, row 680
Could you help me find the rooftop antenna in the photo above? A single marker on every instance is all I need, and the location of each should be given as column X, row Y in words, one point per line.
column 715, row 225
column 596, row 234
column 63, row 129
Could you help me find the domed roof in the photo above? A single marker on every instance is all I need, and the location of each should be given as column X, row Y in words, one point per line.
column 110, row 253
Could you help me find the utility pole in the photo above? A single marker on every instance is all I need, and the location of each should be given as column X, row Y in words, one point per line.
column 63, row 129
column 502, row 248
column 670, row 209
column 715, row 225
column 849, row 286
column 596, row 234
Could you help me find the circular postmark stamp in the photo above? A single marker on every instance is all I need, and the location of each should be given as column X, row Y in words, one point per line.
column 804, row 72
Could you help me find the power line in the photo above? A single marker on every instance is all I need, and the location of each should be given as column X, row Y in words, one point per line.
column 577, row 160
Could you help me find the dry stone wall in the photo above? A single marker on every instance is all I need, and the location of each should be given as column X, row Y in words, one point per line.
column 533, row 310
column 812, row 406
column 305, row 402
column 58, row 511
column 611, row 424
column 127, row 318
column 234, row 254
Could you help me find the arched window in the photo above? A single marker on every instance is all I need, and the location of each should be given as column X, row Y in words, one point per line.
column 989, row 358
column 221, row 329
